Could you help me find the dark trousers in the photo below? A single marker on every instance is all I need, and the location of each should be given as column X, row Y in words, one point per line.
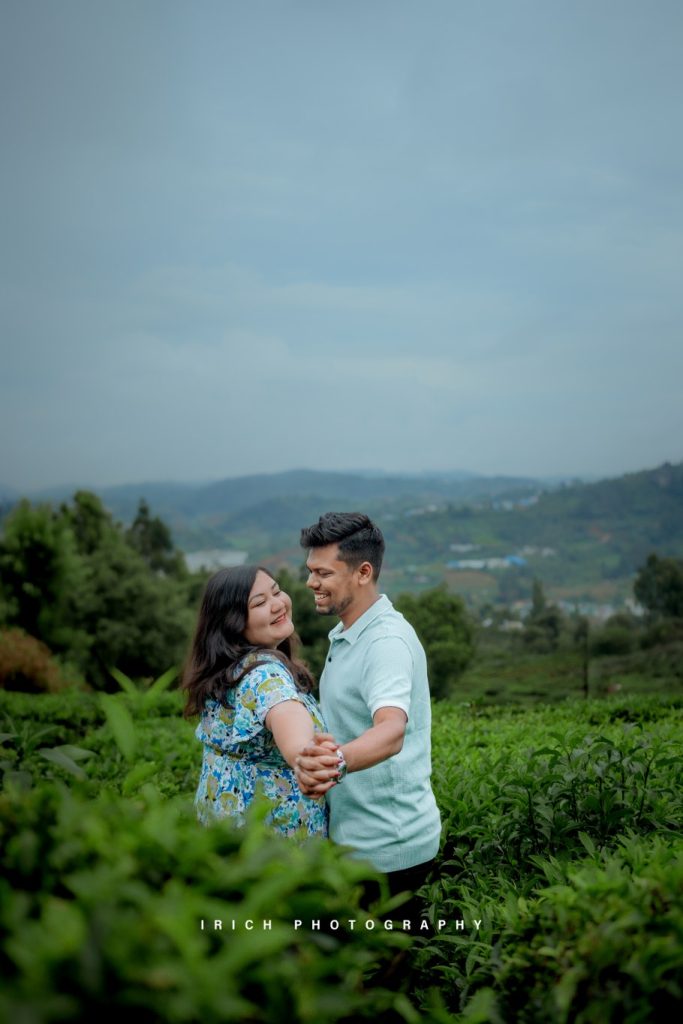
column 408, row 879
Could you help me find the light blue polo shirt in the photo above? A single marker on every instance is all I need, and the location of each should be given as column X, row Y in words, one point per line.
column 387, row 813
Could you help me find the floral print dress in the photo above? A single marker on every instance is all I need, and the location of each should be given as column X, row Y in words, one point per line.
column 241, row 756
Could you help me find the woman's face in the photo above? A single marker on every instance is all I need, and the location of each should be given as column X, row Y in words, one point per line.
column 269, row 613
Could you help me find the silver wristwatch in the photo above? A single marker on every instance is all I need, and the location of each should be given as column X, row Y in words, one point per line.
column 341, row 766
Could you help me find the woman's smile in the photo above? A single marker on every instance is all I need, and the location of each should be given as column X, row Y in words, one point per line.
column 269, row 613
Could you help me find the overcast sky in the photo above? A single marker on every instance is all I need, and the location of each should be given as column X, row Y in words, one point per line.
column 251, row 236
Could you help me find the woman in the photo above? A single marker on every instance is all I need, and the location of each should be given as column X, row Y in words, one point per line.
column 254, row 698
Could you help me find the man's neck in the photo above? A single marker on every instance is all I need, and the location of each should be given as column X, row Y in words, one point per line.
column 354, row 612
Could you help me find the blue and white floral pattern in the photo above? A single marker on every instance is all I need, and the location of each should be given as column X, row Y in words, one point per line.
column 241, row 757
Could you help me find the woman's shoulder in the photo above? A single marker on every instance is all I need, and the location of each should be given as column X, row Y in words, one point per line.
column 258, row 666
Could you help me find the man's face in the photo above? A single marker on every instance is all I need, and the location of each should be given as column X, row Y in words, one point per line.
column 333, row 582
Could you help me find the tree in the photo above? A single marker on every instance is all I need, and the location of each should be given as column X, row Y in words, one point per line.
column 135, row 620
column 89, row 520
column 538, row 601
column 136, row 617
column 581, row 638
column 659, row 587
column 72, row 580
column 152, row 539
column 544, row 623
column 39, row 569
column 446, row 632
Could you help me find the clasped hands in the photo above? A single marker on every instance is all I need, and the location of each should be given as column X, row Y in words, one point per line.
column 317, row 765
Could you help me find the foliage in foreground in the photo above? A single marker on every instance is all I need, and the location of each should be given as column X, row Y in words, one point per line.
column 102, row 903
column 562, row 831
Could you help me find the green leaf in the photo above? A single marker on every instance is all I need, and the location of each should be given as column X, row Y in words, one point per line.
column 77, row 753
column 160, row 685
column 588, row 844
column 125, row 682
column 57, row 756
column 121, row 724
column 137, row 775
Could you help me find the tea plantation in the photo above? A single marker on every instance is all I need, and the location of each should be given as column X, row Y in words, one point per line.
column 560, row 876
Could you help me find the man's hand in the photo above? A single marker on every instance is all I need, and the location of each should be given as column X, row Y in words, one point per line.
column 316, row 765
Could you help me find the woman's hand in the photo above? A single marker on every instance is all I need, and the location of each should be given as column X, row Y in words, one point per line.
column 316, row 766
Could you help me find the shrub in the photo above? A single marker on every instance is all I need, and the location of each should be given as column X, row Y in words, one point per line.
column 27, row 665
column 617, row 636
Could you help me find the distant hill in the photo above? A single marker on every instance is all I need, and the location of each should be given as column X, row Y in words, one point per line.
column 488, row 537
column 584, row 541
column 195, row 511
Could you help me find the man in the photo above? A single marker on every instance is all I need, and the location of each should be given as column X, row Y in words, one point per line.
column 375, row 699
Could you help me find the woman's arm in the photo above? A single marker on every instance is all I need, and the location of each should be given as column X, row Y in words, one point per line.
column 292, row 728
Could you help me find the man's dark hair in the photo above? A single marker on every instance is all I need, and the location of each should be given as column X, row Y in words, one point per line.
column 358, row 538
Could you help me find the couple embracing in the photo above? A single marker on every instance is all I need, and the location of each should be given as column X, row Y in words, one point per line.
column 358, row 763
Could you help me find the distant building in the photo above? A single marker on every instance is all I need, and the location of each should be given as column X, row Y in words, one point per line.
column 479, row 564
column 422, row 510
column 530, row 549
column 216, row 558
column 511, row 625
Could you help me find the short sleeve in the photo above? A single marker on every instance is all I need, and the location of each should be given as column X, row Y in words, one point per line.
column 259, row 691
column 388, row 674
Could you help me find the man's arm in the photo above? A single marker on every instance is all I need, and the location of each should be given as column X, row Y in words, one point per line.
column 382, row 740
column 315, row 767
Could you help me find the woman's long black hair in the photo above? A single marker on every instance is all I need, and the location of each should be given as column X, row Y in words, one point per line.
column 219, row 641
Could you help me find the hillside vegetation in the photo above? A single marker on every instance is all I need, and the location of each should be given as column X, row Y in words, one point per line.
column 583, row 541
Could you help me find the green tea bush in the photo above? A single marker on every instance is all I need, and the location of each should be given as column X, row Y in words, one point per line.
column 512, row 790
column 102, row 903
column 163, row 748
column 73, row 709
column 557, row 820
column 152, row 740
column 604, row 942
column 525, row 797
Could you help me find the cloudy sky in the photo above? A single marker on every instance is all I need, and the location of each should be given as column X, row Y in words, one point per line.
column 258, row 235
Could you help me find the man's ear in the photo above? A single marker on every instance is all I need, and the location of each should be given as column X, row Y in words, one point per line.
column 365, row 573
